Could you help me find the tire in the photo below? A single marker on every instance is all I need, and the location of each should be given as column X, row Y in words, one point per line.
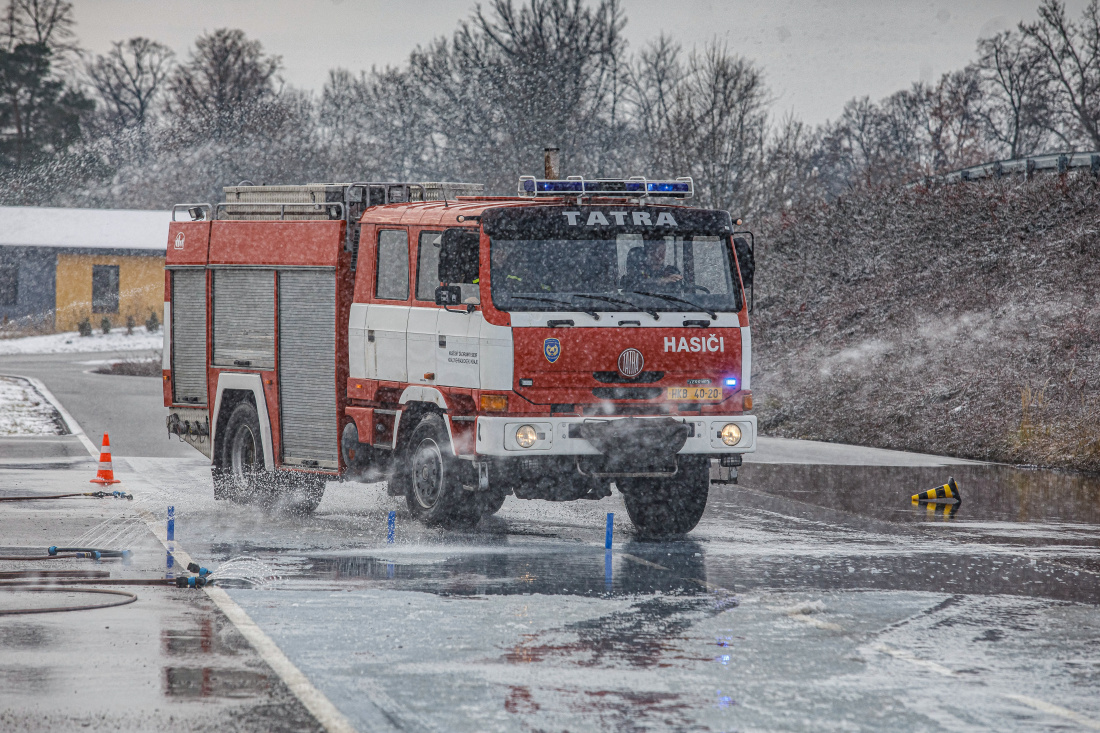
column 242, row 477
column 356, row 455
column 239, row 475
column 433, row 477
column 667, row 507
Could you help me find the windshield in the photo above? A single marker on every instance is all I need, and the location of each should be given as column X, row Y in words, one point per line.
column 624, row 272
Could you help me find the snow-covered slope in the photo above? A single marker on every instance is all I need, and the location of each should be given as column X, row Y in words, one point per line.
column 23, row 411
column 73, row 342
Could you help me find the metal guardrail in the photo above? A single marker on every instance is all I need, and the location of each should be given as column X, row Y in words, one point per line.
column 1050, row 162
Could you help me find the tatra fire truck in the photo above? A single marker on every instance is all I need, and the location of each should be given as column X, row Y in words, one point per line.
column 463, row 347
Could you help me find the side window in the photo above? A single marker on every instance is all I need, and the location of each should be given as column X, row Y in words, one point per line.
column 427, row 265
column 393, row 265
column 104, row 288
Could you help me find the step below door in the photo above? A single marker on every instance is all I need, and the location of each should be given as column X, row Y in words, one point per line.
column 307, row 368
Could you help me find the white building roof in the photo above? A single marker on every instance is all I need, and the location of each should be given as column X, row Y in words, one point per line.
column 35, row 226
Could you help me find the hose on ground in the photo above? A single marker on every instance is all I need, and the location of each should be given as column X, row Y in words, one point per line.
column 93, row 494
column 127, row 597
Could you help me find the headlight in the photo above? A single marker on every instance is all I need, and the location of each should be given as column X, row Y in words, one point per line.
column 526, row 436
column 731, row 434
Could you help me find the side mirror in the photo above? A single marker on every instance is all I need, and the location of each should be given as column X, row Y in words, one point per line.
column 446, row 295
column 746, row 260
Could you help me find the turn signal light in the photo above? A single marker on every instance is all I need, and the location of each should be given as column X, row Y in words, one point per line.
column 494, row 402
column 746, row 401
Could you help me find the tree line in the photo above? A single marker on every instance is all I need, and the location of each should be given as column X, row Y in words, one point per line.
column 138, row 127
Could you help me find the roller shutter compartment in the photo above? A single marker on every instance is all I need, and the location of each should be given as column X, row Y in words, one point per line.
column 244, row 318
column 307, row 367
column 189, row 336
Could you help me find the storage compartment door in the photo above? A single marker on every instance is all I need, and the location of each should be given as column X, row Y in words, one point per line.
column 244, row 318
column 307, row 368
column 189, row 336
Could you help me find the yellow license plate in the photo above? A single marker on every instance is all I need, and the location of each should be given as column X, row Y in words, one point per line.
column 694, row 393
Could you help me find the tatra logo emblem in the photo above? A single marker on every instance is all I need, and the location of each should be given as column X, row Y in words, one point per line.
column 631, row 363
column 179, row 240
column 551, row 349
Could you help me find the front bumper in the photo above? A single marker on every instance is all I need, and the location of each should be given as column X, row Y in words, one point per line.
column 496, row 436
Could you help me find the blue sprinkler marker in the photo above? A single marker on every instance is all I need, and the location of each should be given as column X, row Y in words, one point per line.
column 170, row 536
column 389, row 527
column 610, row 530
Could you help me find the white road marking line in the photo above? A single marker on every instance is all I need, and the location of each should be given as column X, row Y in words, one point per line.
column 315, row 701
column 1052, row 709
column 70, row 422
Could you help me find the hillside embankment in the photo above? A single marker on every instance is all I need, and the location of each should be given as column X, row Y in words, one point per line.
column 961, row 320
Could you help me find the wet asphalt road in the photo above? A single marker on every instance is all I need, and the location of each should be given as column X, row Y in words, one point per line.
column 811, row 597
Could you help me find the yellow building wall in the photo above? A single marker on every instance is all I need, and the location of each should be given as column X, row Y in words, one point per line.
column 140, row 289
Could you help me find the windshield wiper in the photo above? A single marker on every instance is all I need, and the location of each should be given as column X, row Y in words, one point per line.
column 674, row 299
column 594, row 314
column 650, row 311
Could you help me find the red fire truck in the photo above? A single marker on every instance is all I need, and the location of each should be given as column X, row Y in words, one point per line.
column 463, row 347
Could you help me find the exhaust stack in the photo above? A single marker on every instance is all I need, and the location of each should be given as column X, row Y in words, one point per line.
column 552, row 163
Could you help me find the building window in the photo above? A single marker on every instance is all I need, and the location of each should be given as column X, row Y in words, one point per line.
column 9, row 285
column 104, row 288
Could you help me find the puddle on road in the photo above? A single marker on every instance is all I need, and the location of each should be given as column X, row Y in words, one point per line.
column 990, row 492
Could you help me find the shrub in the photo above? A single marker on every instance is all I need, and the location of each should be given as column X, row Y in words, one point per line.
column 85, row 327
column 105, row 324
column 152, row 323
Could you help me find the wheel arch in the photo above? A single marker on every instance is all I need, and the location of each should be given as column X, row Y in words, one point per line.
column 233, row 389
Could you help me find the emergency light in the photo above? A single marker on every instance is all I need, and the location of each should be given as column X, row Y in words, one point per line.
column 635, row 187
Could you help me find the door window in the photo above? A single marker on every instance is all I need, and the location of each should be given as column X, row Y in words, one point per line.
column 427, row 265
column 393, row 265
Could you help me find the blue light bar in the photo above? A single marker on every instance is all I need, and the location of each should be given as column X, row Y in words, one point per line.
column 610, row 187
column 731, row 382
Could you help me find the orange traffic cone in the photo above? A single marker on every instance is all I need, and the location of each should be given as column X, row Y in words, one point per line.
column 106, row 474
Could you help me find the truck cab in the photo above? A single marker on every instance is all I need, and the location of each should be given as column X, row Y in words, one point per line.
column 578, row 336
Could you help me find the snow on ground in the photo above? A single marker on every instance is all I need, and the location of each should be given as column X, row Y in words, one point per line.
column 73, row 342
column 23, row 411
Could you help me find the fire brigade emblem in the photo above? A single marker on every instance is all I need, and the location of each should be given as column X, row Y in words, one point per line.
column 551, row 349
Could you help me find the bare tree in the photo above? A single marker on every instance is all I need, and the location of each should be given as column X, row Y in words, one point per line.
column 1071, row 55
column 226, row 76
column 129, row 78
column 1015, row 111
column 49, row 22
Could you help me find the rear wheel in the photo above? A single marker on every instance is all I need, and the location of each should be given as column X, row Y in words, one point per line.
column 433, row 477
column 238, row 473
column 242, row 477
column 663, row 507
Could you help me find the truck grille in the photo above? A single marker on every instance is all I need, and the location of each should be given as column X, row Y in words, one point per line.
column 627, row 393
column 616, row 378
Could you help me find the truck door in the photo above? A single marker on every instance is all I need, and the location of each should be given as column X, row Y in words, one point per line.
column 422, row 334
column 388, row 321
column 307, row 367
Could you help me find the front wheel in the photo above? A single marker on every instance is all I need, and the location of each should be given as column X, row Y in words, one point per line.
column 433, row 477
column 664, row 507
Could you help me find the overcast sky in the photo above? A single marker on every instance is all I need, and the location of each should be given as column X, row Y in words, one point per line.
column 816, row 54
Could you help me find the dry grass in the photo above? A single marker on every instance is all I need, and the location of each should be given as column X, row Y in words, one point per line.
column 961, row 320
column 135, row 367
